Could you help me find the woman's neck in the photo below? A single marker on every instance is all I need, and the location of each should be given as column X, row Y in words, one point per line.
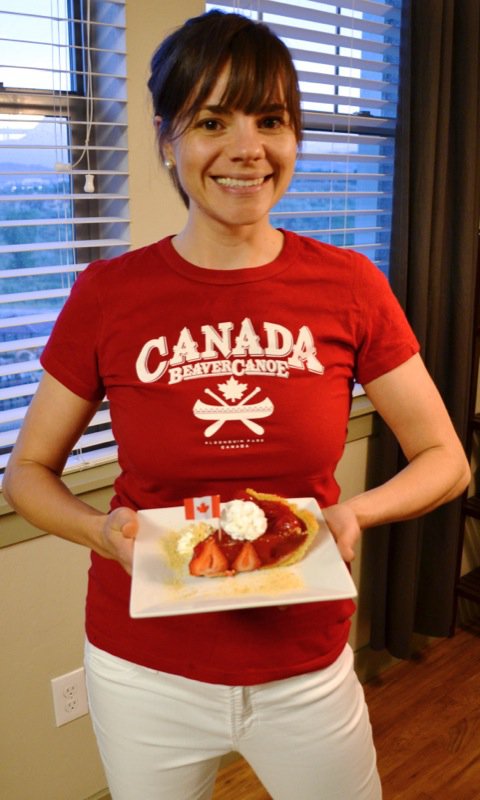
column 248, row 246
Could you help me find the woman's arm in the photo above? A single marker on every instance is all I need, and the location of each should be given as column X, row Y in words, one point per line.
column 437, row 470
column 32, row 483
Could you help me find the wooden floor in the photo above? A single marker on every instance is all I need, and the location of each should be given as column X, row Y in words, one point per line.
column 425, row 715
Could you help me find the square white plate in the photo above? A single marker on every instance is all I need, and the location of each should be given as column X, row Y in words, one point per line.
column 158, row 590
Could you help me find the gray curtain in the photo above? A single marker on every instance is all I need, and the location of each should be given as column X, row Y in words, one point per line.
column 433, row 272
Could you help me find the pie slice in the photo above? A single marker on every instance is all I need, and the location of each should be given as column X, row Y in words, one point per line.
column 288, row 532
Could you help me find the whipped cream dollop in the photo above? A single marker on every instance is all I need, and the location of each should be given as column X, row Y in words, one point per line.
column 191, row 535
column 243, row 519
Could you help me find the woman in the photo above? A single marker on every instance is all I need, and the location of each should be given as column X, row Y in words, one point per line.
column 228, row 306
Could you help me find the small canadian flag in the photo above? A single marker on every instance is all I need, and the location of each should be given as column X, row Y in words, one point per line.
column 202, row 507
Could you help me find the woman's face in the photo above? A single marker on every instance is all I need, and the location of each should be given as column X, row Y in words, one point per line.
column 234, row 166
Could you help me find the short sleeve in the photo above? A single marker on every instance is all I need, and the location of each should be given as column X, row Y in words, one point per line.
column 70, row 354
column 385, row 337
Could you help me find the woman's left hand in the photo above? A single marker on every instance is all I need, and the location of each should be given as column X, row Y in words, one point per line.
column 344, row 526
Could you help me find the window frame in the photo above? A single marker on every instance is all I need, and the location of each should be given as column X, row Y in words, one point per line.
column 70, row 109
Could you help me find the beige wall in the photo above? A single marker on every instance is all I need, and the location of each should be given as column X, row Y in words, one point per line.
column 43, row 580
column 41, row 619
column 156, row 210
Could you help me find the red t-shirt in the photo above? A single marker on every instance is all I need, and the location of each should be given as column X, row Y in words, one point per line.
column 170, row 343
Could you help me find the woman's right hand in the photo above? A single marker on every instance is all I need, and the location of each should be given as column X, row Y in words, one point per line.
column 119, row 532
column 344, row 526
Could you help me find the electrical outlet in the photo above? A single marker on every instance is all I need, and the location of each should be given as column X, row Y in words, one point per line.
column 69, row 696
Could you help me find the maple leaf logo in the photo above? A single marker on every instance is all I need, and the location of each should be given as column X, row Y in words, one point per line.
column 232, row 389
column 203, row 508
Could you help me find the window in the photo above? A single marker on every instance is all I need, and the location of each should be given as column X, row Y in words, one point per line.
column 347, row 57
column 63, row 182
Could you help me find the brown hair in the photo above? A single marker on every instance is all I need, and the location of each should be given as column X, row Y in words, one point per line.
column 186, row 66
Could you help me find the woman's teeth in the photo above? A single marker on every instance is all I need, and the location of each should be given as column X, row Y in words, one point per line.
column 238, row 183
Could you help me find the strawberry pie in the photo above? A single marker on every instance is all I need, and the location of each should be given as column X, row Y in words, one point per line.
column 255, row 531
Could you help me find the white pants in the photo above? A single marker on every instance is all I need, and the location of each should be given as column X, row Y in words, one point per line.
column 161, row 736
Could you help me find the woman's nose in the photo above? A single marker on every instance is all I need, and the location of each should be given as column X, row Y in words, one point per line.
column 246, row 143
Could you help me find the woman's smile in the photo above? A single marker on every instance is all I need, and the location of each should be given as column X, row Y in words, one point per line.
column 241, row 183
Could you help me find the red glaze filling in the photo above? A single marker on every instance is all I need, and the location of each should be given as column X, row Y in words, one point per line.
column 219, row 553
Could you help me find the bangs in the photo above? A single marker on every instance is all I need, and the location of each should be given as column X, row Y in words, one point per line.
column 261, row 74
column 253, row 85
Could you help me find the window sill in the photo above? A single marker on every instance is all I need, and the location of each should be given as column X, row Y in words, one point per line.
column 92, row 480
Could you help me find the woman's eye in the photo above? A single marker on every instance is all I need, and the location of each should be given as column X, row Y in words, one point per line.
column 272, row 122
column 209, row 124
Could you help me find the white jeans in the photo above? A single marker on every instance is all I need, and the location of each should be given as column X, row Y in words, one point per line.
column 161, row 736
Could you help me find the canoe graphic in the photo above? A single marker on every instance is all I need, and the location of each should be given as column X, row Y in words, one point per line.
column 253, row 411
column 223, row 412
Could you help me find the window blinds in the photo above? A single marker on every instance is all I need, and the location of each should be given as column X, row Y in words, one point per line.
column 347, row 57
column 63, row 182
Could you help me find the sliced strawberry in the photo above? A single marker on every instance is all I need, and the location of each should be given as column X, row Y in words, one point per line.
column 229, row 547
column 208, row 559
column 247, row 559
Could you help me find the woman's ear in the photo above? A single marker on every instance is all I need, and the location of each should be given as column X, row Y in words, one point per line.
column 166, row 151
column 168, row 157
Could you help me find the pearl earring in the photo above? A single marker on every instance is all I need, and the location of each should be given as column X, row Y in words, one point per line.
column 168, row 163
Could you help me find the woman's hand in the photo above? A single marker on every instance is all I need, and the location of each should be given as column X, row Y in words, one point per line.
column 119, row 532
column 344, row 526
